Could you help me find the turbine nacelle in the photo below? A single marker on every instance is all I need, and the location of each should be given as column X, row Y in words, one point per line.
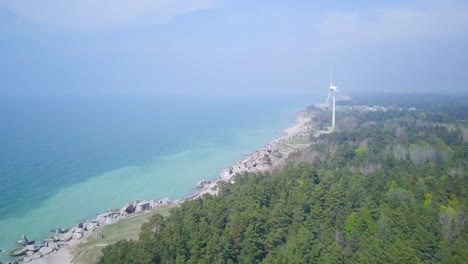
column 333, row 88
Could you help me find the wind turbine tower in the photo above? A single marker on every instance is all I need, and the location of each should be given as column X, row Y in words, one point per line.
column 332, row 90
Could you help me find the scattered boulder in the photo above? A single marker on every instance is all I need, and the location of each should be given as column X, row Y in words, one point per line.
column 45, row 250
column 166, row 201
column 27, row 259
column 92, row 226
column 73, row 229
column 59, row 230
column 60, row 243
column 37, row 255
column 48, row 241
column 77, row 235
column 54, row 246
column 24, row 240
column 113, row 215
column 128, row 208
column 85, row 225
column 107, row 217
column 33, row 248
column 18, row 252
column 142, row 206
column 153, row 203
column 201, row 184
column 67, row 236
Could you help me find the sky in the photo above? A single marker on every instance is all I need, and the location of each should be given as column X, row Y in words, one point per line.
column 231, row 47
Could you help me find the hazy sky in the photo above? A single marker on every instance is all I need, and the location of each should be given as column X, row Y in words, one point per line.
column 231, row 47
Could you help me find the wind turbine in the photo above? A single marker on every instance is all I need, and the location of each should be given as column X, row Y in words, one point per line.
column 332, row 90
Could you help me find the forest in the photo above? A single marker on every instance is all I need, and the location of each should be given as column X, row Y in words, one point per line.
column 387, row 187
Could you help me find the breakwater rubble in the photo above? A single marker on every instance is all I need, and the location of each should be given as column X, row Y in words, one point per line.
column 28, row 251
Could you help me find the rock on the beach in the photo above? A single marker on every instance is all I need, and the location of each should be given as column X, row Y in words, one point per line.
column 201, row 184
column 33, row 248
column 77, row 235
column 166, row 201
column 59, row 230
column 46, row 250
column 18, row 252
column 24, row 240
column 153, row 203
column 108, row 217
column 142, row 206
column 128, row 208
column 60, row 243
column 67, row 236
column 27, row 259
column 92, row 226
column 37, row 255
column 54, row 246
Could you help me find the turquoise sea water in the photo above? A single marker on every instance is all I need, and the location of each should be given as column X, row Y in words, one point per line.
column 63, row 159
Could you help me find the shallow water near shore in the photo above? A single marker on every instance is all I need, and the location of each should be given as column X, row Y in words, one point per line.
column 66, row 159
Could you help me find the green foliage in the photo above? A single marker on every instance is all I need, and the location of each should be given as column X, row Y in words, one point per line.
column 125, row 252
column 361, row 201
column 361, row 153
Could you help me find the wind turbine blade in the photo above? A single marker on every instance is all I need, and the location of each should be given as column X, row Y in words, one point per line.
column 328, row 97
column 331, row 75
column 336, row 90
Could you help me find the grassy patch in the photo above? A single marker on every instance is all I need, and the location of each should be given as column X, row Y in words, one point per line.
column 89, row 251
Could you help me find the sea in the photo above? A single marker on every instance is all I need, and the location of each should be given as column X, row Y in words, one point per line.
column 66, row 159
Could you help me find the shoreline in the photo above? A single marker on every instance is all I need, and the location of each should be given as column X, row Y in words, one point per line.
column 57, row 249
column 263, row 159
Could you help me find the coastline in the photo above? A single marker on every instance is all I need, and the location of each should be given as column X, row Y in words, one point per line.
column 265, row 158
column 269, row 157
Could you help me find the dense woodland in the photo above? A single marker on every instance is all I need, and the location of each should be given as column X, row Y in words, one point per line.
column 389, row 187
